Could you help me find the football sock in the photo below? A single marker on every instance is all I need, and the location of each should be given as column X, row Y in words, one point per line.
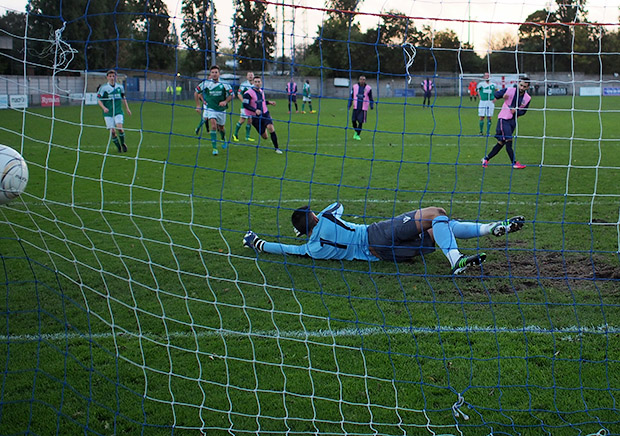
column 121, row 136
column 481, row 124
column 488, row 126
column 222, row 134
column 467, row 229
column 248, row 129
column 310, row 105
column 274, row 139
column 116, row 142
column 214, row 139
column 303, row 107
column 510, row 151
column 495, row 150
column 444, row 238
column 237, row 127
column 202, row 121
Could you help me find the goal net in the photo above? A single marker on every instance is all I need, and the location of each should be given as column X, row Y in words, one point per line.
column 130, row 305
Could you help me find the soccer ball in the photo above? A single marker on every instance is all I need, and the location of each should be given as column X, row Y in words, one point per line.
column 13, row 174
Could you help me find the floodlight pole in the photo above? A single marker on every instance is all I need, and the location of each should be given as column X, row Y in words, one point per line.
column 213, row 54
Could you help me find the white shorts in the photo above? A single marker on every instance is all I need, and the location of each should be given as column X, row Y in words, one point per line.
column 243, row 115
column 486, row 108
column 112, row 122
column 307, row 98
column 220, row 117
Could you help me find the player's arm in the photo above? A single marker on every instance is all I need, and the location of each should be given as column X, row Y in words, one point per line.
column 247, row 103
column 101, row 105
column 523, row 109
column 251, row 240
column 350, row 100
column 125, row 102
column 228, row 98
column 127, row 106
column 199, row 100
column 372, row 101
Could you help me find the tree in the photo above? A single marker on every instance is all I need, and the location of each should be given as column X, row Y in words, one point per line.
column 252, row 34
column 13, row 25
column 337, row 45
column 196, row 34
column 152, row 44
column 98, row 32
column 395, row 30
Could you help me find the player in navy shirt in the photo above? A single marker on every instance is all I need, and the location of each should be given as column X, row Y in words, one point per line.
column 397, row 239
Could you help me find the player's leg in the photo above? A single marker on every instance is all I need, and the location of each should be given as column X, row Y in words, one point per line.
column 274, row 137
column 116, row 140
column 494, row 150
column 118, row 120
column 468, row 229
column 110, row 125
column 220, row 121
column 213, row 133
column 237, row 127
column 481, row 124
column 290, row 99
column 121, row 136
column 441, row 232
column 502, row 133
column 354, row 123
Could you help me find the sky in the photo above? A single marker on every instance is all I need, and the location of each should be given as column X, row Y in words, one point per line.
column 474, row 21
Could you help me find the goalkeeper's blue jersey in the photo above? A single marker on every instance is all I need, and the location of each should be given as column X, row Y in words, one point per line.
column 332, row 238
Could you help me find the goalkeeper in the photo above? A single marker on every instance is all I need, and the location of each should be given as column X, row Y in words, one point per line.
column 398, row 239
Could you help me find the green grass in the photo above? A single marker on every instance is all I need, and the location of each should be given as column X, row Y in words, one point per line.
column 132, row 307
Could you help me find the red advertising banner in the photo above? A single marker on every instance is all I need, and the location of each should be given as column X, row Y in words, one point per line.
column 48, row 100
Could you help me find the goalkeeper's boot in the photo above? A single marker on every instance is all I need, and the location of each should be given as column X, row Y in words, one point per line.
column 466, row 261
column 510, row 225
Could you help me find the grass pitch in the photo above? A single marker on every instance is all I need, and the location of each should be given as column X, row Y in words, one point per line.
column 131, row 306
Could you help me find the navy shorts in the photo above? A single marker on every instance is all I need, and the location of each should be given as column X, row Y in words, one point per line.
column 399, row 239
column 261, row 122
column 359, row 115
column 427, row 94
column 505, row 129
column 293, row 98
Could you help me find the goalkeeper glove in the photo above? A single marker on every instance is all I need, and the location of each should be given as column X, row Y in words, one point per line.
column 250, row 240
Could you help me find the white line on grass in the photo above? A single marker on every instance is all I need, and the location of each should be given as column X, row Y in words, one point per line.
column 559, row 202
column 566, row 333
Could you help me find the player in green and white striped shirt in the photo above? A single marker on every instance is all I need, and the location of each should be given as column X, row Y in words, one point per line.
column 215, row 96
column 486, row 91
column 111, row 97
column 307, row 97
column 243, row 116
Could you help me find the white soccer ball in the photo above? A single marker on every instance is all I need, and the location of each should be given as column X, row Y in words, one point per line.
column 13, row 174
